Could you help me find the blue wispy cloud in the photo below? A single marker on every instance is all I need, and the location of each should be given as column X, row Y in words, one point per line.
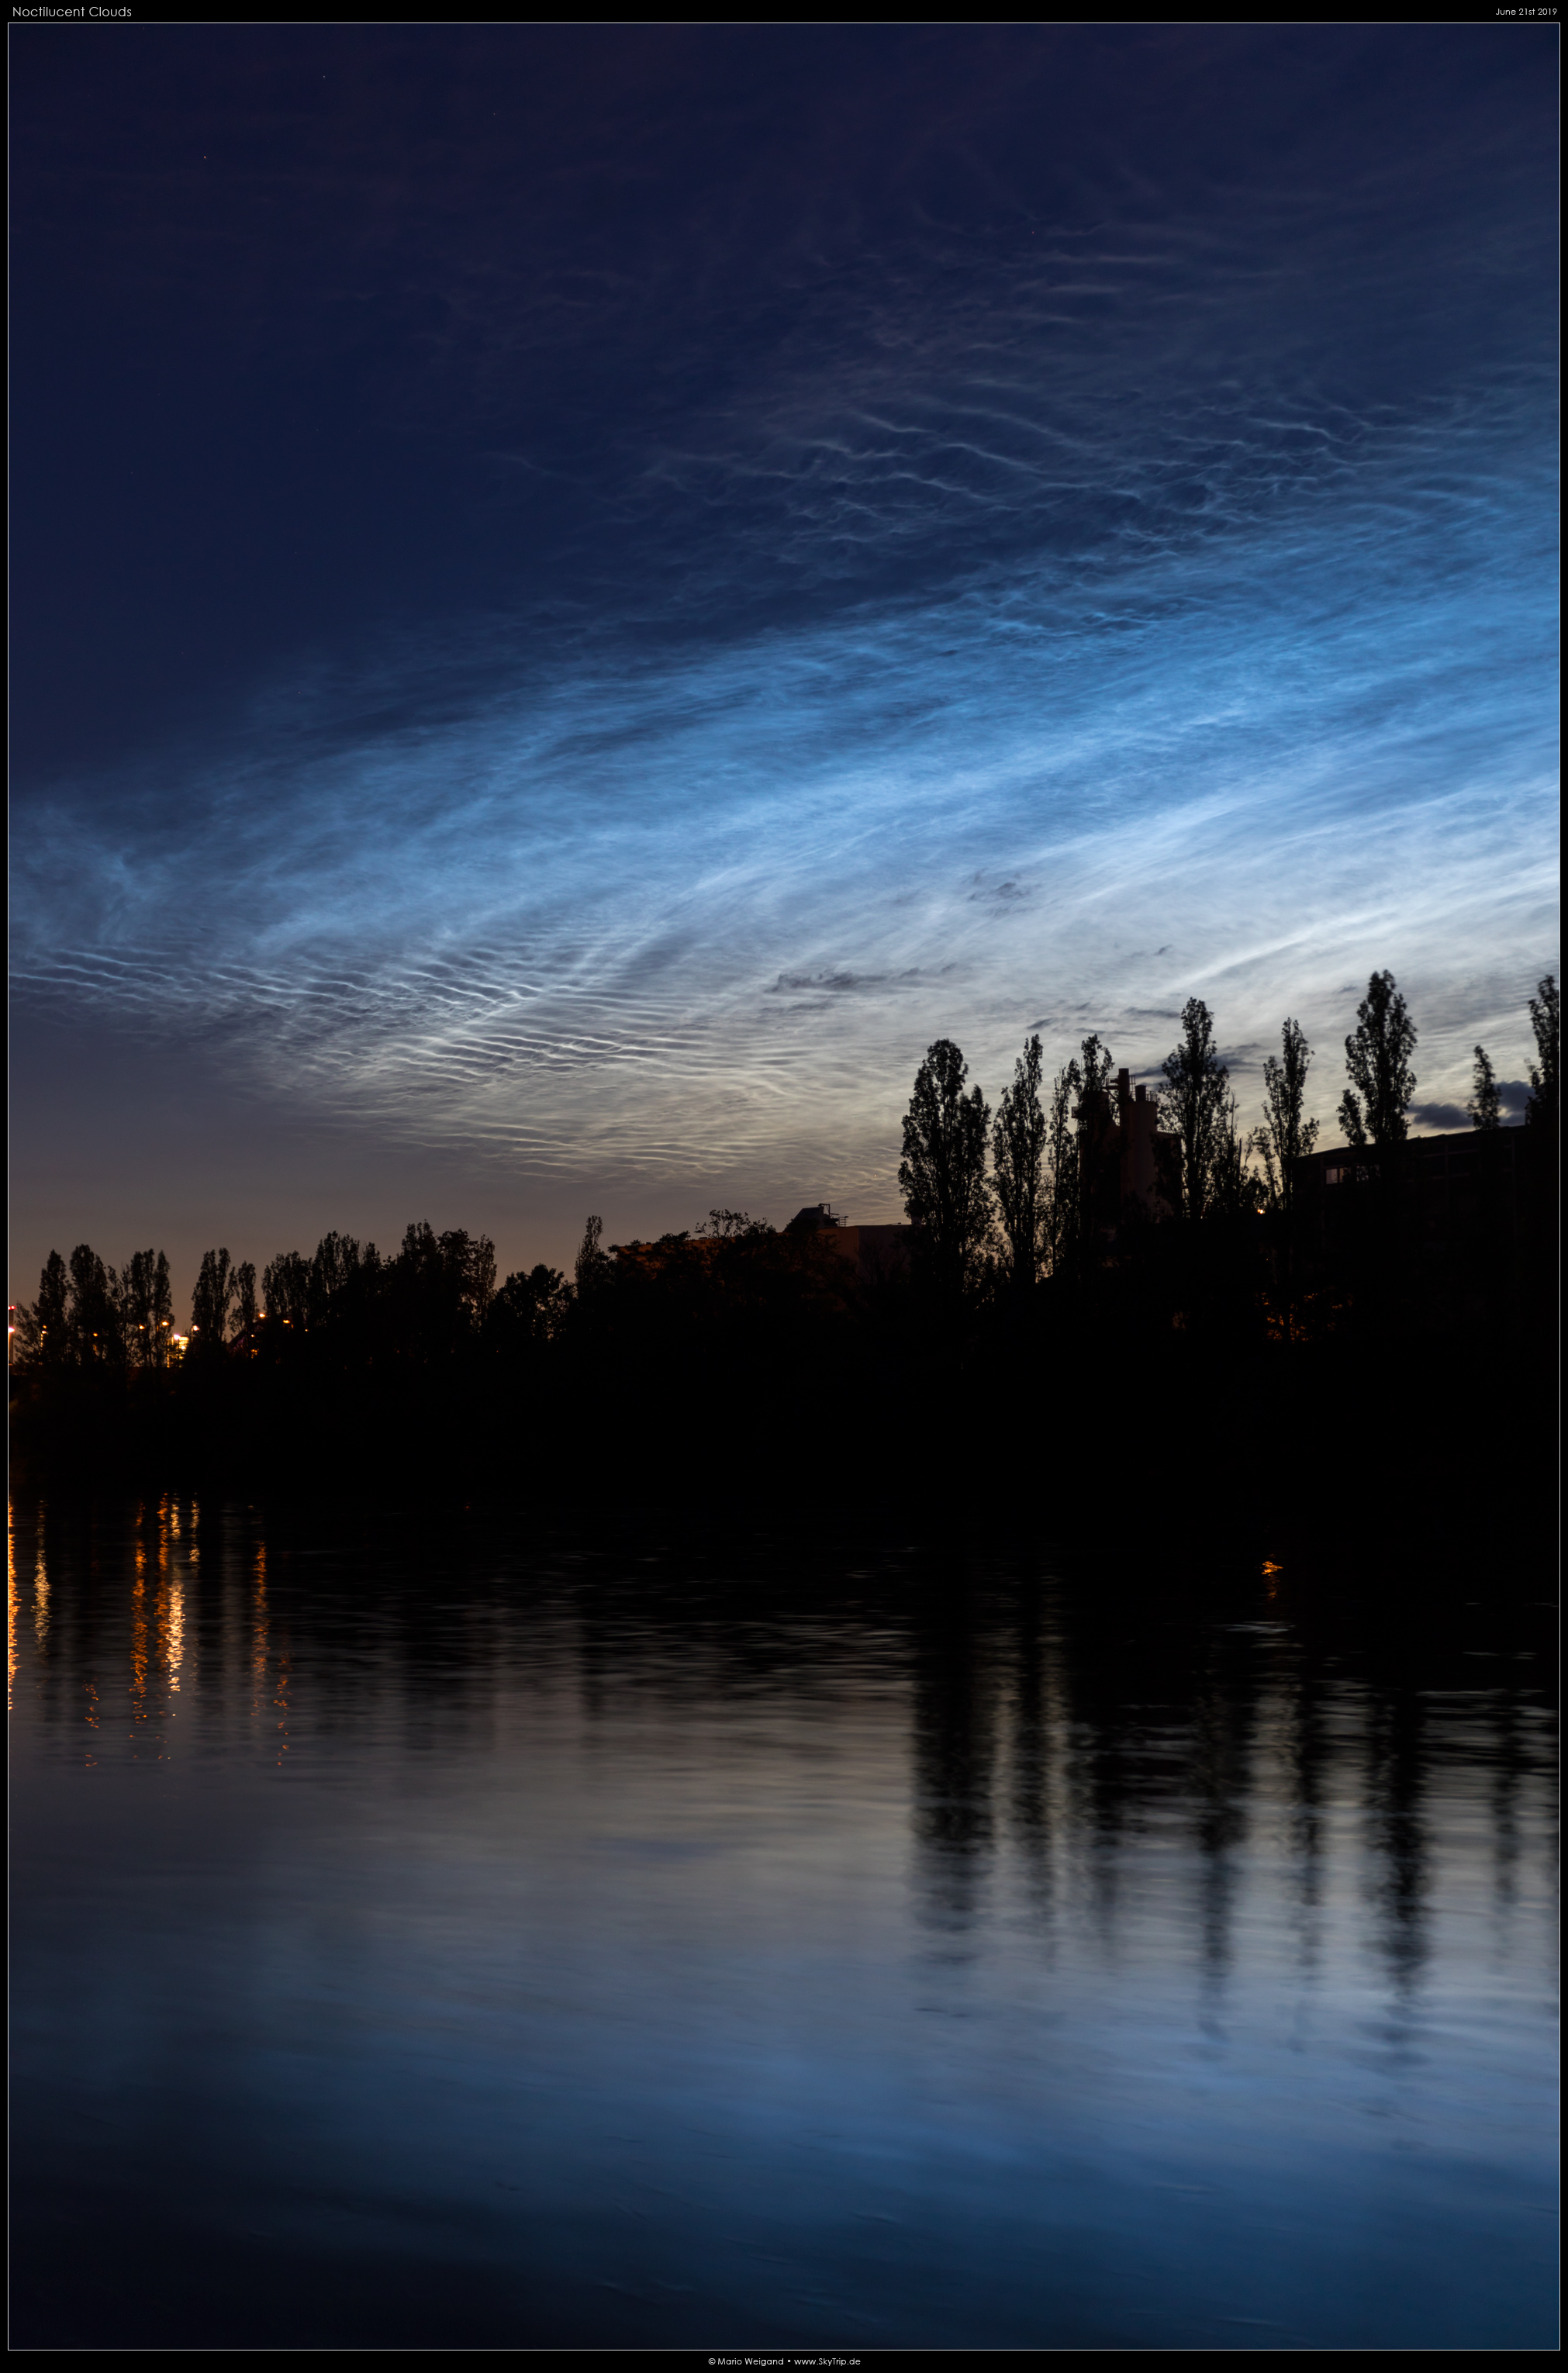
column 1024, row 614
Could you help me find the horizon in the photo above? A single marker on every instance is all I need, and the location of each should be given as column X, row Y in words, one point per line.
column 582, row 594
column 695, row 1231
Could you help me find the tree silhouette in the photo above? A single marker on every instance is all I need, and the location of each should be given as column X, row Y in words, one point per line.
column 1233, row 1188
column 1485, row 1104
column 592, row 1265
column 1378, row 1056
column 942, row 1175
column 1095, row 1066
column 732, row 1227
column 286, row 1290
column 146, row 1308
column 1060, row 1220
column 531, row 1308
column 1541, row 1110
column 94, row 1324
column 244, row 1298
column 1195, row 1102
column 211, row 1300
column 1095, row 1168
column 46, row 1326
column 162, row 1310
column 1286, row 1134
column 1018, row 1147
column 441, row 1286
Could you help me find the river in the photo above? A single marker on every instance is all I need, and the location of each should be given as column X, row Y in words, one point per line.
column 427, row 1932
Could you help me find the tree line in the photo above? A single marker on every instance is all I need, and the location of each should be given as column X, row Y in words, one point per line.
column 996, row 1203
column 1034, row 1213
column 1038, row 1335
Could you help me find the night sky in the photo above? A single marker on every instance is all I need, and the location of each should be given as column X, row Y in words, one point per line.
column 580, row 596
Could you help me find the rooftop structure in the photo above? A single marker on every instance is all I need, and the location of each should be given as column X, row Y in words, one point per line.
column 1468, row 1180
column 1120, row 1146
column 875, row 1251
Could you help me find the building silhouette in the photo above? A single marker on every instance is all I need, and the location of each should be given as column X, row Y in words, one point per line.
column 879, row 1251
column 1124, row 1156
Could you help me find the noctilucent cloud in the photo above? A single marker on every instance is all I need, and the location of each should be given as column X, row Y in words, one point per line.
column 581, row 595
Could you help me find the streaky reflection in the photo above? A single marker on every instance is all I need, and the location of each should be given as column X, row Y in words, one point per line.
column 1505, row 1761
column 1303, row 1794
column 139, row 1634
column 955, row 1757
column 1035, row 1719
column 1394, row 1791
column 40, row 1594
column 1221, row 1788
column 260, row 1626
column 13, row 1603
column 599, row 1941
column 171, row 1621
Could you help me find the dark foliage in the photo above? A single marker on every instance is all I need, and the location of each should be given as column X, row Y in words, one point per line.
column 1541, row 1111
column 942, row 1175
column 736, row 1362
column 1286, row 1134
column 1018, row 1151
column 1378, row 1056
column 1062, row 1200
column 1199, row 1114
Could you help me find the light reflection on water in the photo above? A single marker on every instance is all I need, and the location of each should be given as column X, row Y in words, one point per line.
column 416, row 1942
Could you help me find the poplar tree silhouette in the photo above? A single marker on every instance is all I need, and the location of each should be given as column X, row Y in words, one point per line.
column 1018, row 1147
column 244, row 1298
column 1059, row 1223
column 1286, row 1134
column 1373, row 1109
column 286, row 1289
column 163, row 1309
column 48, row 1326
column 1378, row 1056
column 1540, row 1112
column 146, row 1308
column 210, row 1302
column 1095, row 1066
column 1195, row 1106
column 1485, row 1104
column 592, row 1264
column 1232, row 1187
column 942, row 1175
column 94, row 1324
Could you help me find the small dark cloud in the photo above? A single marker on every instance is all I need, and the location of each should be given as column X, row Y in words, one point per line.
column 1512, row 1095
column 854, row 984
column 836, row 984
column 1067, row 1017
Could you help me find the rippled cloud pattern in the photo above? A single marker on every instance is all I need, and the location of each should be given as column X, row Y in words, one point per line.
column 722, row 556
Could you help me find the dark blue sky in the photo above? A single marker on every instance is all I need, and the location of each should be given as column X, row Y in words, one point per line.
column 581, row 595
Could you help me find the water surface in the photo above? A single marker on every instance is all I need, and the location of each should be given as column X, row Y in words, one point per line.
column 423, row 1937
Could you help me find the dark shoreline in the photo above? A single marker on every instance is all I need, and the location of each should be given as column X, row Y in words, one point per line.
column 1455, row 1476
